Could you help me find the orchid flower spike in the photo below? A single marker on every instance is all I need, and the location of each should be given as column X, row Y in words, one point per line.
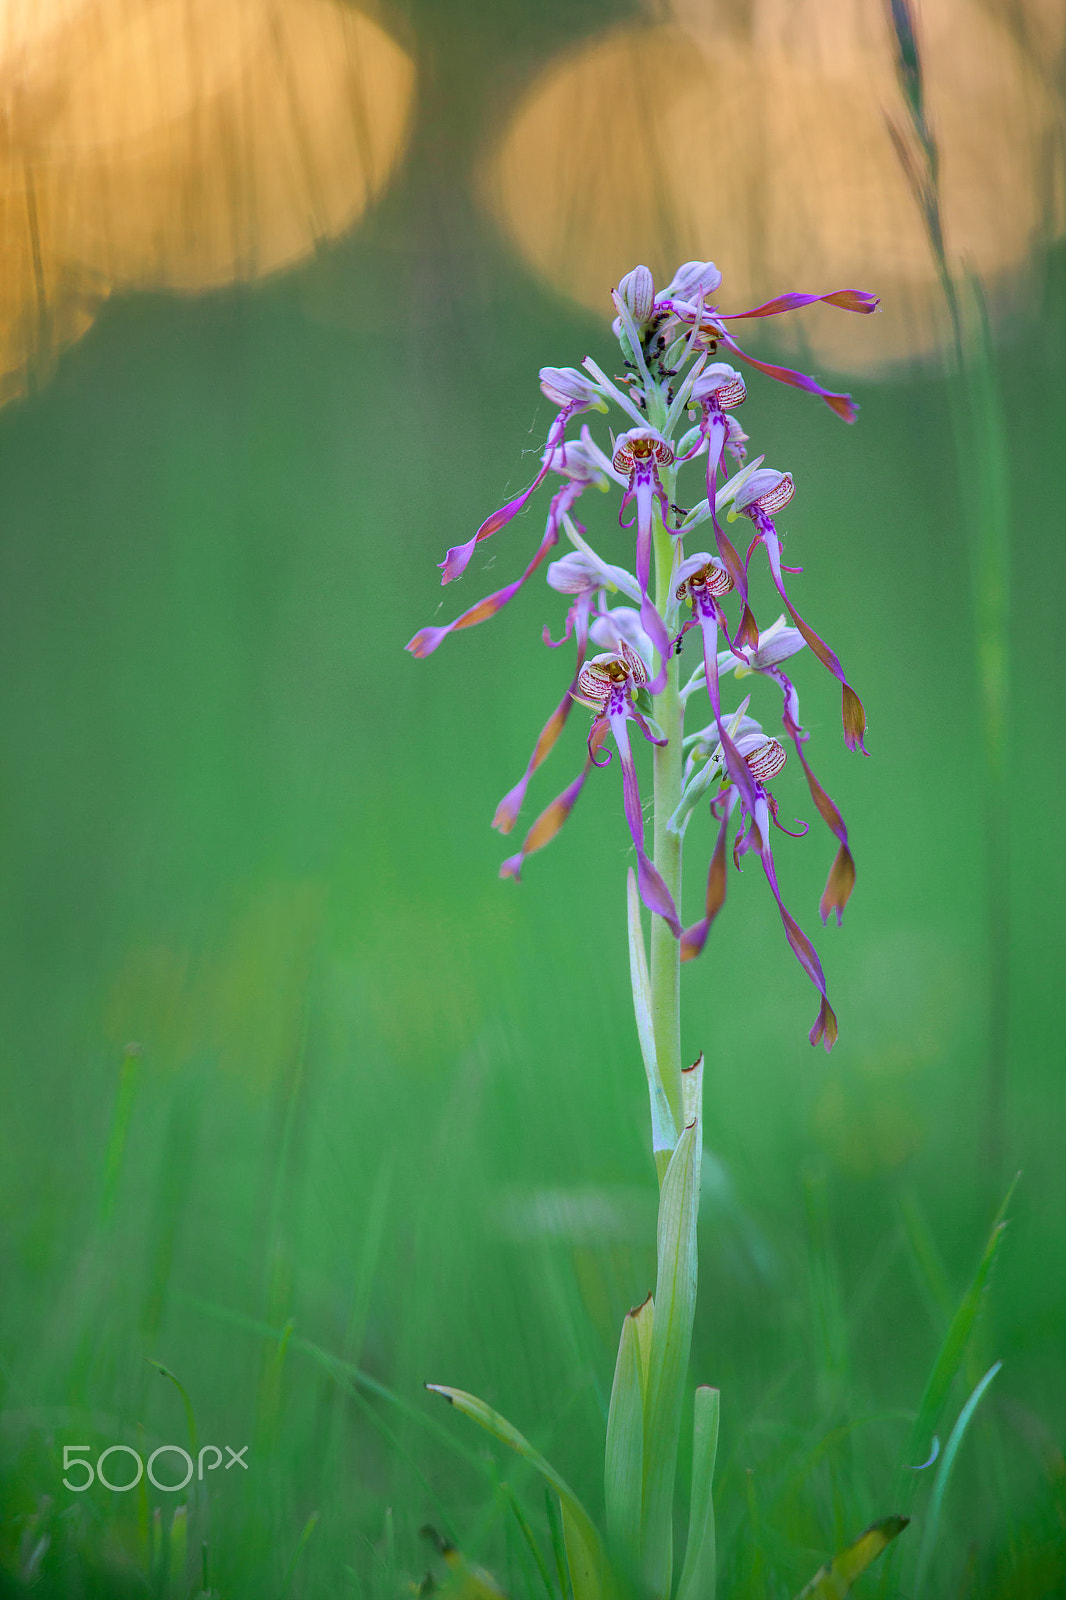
column 763, row 759
column 607, row 684
column 764, row 494
column 572, row 392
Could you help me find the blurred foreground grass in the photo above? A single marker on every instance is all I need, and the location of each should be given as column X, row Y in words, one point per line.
column 385, row 1113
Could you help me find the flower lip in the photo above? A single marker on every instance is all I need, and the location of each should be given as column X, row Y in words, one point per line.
column 766, row 760
column 766, row 490
column 609, row 671
column 641, row 445
column 722, row 384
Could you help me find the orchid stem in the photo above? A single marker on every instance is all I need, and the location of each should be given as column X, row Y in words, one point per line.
column 665, row 949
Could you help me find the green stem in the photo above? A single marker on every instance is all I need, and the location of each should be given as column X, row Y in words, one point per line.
column 665, row 950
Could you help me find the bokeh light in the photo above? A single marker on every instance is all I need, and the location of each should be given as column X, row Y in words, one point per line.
column 180, row 144
column 771, row 154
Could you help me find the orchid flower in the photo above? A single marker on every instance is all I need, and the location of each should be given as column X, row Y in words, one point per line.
column 718, row 390
column 571, row 392
column 765, row 493
column 763, row 759
column 607, row 684
column 704, row 580
column 639, row 454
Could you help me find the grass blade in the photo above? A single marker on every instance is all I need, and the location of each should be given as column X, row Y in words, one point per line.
column 943, row 1476
column 832, row 1582
column 698, row 1575
column 953, row 1350
column 583, row 1549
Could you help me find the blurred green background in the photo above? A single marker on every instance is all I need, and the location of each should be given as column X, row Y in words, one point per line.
column 387, row 1111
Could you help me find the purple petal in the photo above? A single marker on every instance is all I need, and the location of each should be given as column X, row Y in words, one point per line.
column 653, row 891
column 842, row 404
column 547, row 824
column 693, row 939
column 457, row 559
column 846, row 299
column 512, row 802
column 825, row 1026
column 852, row 712
column 428, row 639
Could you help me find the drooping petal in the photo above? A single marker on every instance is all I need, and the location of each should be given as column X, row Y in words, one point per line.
column 842, row 404
column 429, row 639
column 693, row 939
column 841, row 878
column 458, row 558
column 512, row 802
column 825, row 1025
column 846, row 299
column 735, row 764
column 547, row 824
column 852, row 712
column 653, row 890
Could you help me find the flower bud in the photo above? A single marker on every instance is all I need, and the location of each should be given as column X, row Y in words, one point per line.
column 565, row 386
column 721, row 383
column 621, row 625
column 693, row 280
column 637, row 292
column 766, row 490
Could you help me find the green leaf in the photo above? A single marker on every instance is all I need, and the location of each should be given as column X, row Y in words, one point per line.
column 623, row 1467
column 583, row 1549
column 675, row 1304
column 663, row 1128
column 692, row 1092
column 947, row 1463
column 834, row 1581
column 953, row 1350
column 698, row 1575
